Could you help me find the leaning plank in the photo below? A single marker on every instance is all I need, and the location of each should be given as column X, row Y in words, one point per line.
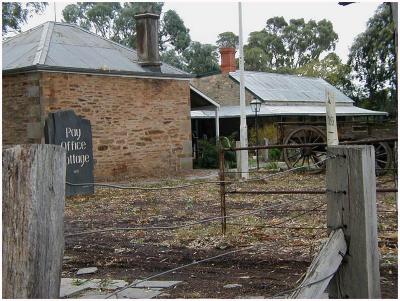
column 323, row 267
column 33, row 214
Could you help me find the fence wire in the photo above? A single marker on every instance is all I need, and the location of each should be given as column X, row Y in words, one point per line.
column 271, row 208
column 207, row 220
column 196, row 263
column 195, row 184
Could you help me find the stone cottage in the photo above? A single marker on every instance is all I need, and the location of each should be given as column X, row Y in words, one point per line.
column 139, row 107
column 285, row 99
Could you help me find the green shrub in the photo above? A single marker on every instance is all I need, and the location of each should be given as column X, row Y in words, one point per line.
column 230, row 156
column 209, row 155
column 274, row 154
column 272, row 165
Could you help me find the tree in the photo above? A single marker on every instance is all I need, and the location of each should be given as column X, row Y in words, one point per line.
column 174, row 33
column 283, row 46
column 16, row 13
column 331, row 69
column 173, row 58
column 116, row 22
column 201, row 58
column 227, row 39
column 373, row 59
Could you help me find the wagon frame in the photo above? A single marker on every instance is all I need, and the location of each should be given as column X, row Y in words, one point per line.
column 313, row 157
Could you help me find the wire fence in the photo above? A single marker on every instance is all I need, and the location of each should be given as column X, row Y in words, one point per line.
column 194, row 184
column 283, row 224
column 209, row 259
column 184, row 225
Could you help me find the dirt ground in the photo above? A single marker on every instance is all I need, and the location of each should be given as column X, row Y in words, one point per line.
column 285, row 231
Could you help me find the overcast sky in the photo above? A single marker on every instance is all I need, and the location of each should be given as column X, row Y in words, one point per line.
column 207, row 19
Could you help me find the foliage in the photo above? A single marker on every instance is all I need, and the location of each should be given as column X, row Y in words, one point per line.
column 274, row 154
column 282, row 46
column 116, row 22
column 173, row 58
column 373, row 58
column 16, row 13
column 201, row 58
column 272, row 165
column 331, row 69
column 208, row 153
column 227, row 39
column 265, row 130
column 230, row 156
column 174, row 32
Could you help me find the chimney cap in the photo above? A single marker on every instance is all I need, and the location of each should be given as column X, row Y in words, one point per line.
column 147, row 15
column 226, row 49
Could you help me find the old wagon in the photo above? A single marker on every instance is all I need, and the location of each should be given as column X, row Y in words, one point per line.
column 381, row 135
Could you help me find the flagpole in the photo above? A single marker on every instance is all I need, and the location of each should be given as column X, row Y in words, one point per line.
column 244, row 157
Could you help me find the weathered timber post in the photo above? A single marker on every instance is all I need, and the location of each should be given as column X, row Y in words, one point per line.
column 266, row 143
column 222, row 188
column 238, row 159
column 33, row 220
column 331, row 125
column 351, row 195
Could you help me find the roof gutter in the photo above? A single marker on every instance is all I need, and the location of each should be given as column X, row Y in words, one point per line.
column 155, row 75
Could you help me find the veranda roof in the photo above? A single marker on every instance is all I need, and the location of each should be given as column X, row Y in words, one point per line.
column 286, row 110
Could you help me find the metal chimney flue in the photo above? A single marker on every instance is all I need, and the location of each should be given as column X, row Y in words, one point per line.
column 147, row 40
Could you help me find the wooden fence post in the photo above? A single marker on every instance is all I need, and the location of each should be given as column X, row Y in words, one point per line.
column 265, row 151
column 351, row 195
column 222, row 189
column 238, row 159
column 33, row 220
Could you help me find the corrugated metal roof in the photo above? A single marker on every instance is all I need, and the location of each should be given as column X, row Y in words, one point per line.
column 282, row 87
column 288, row 110
column 63, row 45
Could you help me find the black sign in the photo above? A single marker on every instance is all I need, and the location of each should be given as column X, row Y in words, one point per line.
column 75, row 135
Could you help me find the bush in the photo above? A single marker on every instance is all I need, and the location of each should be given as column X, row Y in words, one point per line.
column 208, row 153
column 274, row 154
column 230, row 156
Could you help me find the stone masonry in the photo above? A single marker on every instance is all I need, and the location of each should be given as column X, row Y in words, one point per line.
column 140, row 126
column 222, row 89
column 21, row 109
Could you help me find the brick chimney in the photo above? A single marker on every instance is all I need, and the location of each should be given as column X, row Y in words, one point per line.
column 228, row 63
column 147, row 40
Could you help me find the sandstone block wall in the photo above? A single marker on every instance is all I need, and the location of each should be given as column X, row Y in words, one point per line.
column 21, row 109
column 222, row 89
column 140, row 127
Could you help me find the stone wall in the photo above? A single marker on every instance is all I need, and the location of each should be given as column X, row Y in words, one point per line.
column 21, row 109
column 140, row 127
column 222, row 89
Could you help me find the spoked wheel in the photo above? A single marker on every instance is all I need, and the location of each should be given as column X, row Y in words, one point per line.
column 383, row 158
column 312, row 158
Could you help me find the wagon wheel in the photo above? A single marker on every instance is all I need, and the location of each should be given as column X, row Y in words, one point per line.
column 311, row 158
column 383, row 158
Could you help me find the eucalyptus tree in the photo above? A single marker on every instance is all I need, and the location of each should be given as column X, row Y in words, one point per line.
column 14, row 14
column 285, row 46
column 373, row 59
column 117, row 22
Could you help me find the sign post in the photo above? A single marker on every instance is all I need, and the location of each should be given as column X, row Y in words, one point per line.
column 74, row 134
column 331, row 125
